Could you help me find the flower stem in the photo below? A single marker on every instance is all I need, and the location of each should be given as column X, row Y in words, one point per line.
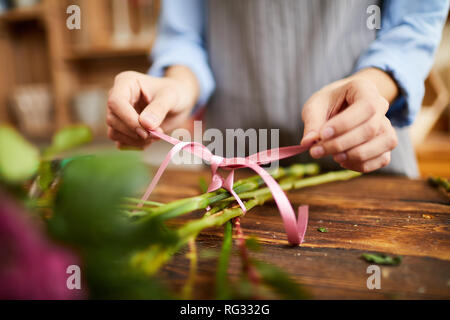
column 192, row 255
column 247, row 267
column 153, row 258
column 179, row 207
column 222, row 287
column 259, row 197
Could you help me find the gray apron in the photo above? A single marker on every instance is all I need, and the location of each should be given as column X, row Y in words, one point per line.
column 268, row 57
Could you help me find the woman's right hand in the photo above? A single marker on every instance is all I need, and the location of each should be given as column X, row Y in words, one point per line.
column 138, row 102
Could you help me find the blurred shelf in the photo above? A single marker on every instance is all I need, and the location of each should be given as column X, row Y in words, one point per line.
column 22, row 14
column 83, row 53
column 433, row 155
column 38, row 47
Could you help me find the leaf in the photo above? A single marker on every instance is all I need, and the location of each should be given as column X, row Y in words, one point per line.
column 202, row 184
column 110, row 276
column 87, row 203
column 68, row 138
column 382, row 259
column 19, row 160
column 252, row 244
column 47, row 173
column 439, row 182
column 280, row 281
column 322, row 229
column 88, row 217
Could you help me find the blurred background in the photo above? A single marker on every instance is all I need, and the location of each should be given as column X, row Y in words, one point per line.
column 51, row 76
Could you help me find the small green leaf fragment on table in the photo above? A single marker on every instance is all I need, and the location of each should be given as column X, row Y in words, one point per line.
column 382, row 259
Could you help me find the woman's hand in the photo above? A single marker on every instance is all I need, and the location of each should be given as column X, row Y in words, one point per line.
column 138, row 103
column 348, row 119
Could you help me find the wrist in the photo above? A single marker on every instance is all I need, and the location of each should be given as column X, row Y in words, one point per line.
column 186, row 83
column 386, row 85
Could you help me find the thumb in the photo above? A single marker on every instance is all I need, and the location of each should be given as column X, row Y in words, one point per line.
column 155, row 112
column 314, row 116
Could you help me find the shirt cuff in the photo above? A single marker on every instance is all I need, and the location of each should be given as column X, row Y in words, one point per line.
column 406, row 106
column 193, row 58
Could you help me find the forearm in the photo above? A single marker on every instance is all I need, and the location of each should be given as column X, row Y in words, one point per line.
column 180, row 42
column 404, row 48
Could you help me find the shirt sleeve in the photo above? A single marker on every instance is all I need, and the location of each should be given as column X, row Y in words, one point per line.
column 181, row 41
column 405, row 46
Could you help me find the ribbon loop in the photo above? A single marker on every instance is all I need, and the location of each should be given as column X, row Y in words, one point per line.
column 295, row 227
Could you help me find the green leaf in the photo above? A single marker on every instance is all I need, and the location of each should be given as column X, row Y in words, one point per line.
column 19, row 160
column 47, row 174
column 110, row 276
column 280, row 281
column 382, row 259
column 252, row 244
column 322, row 229
column 202, row 184
column 439, row 182
column 87, row 207
column 68, row 138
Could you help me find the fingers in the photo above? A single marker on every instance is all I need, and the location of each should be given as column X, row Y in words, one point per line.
column 154, row 114
column 365, row 132
column 124, row 140
column 385, row 142
column 127, row 114
column 123, row 95
column 369, row 156
column 352, row 117
column 348, row 119
column 370, row 165
column 115, row 123
column 314, row 115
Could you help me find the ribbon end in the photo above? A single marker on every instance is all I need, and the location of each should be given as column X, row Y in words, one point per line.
column 302, row 221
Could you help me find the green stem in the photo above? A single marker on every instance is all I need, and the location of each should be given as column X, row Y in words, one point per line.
column 222, row 287
column 289, row 184
column 219, row 218
column 192, row 255
column 259, row 197
column 186, row 205
column 153, row 258
column 149, row 203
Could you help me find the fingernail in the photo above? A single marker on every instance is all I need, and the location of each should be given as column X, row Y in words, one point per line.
column 327, row 133
column 317, row 152
column 141, row 132
column 308, row 136
column 340, row 157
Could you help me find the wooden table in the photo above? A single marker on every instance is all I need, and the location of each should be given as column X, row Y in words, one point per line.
column 379, row 214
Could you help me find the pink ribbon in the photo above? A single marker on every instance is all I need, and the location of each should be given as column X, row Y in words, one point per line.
column 295, row 228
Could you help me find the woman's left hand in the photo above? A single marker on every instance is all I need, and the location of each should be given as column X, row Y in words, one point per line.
column 348, row 118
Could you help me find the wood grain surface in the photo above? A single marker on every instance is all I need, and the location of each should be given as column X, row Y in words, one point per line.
column 373, row 213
